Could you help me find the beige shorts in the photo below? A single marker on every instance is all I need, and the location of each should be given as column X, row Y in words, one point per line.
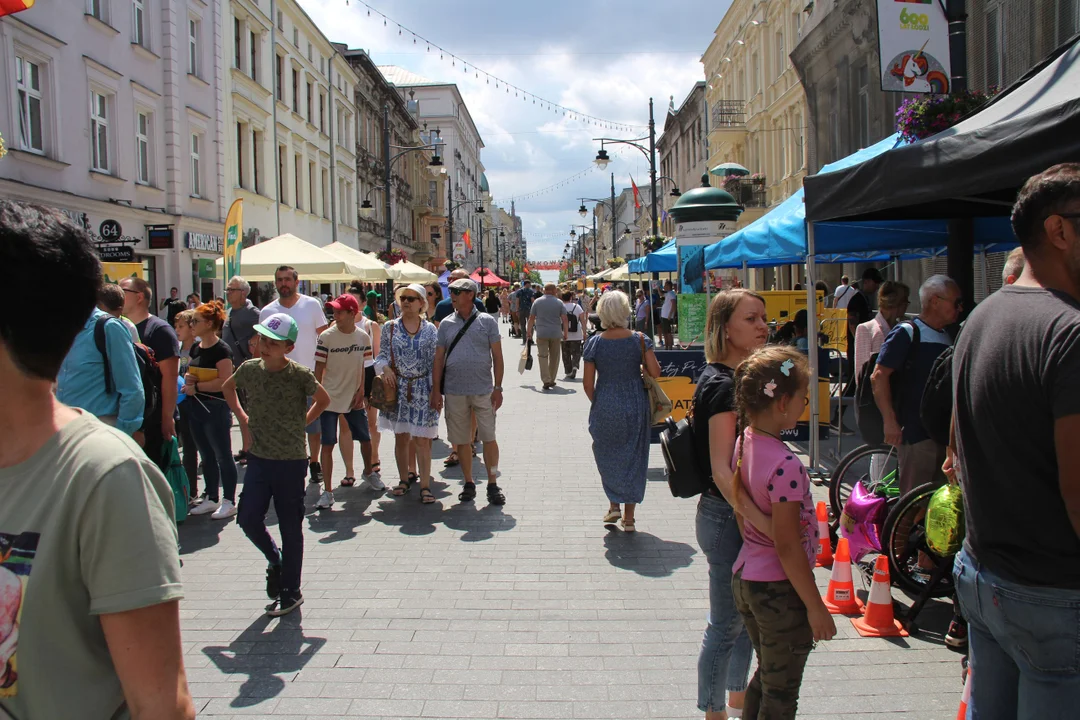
column 459, row 412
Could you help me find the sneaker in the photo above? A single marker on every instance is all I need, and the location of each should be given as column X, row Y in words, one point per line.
column 273, row 581
column 326, row 501
column 227, row 510
column 315, row 470
column 956, row 637
column 288, row 602
column 205, row 507
column 374, row 482
column 195, row 501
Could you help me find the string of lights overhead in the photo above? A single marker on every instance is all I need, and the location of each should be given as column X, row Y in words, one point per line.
column 467, row 67
column 550, row 188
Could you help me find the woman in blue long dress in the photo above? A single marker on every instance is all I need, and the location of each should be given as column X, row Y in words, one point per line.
column 620, row 419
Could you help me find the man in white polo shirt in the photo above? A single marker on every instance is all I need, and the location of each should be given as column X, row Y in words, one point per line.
column 310, row 320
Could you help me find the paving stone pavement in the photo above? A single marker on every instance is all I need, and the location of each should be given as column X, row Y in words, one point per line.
column 532, row 610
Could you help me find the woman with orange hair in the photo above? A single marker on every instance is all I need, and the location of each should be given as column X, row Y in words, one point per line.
column 210, row 419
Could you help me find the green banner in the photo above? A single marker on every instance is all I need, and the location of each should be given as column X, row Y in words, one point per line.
column 207, row 269
column 234, row 223
column 692, row 308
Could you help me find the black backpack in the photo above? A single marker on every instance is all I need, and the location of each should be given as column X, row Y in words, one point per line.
column 572, row 322
column 684, row 476
column 867, row 415
column 936, row 405
column 149, row 373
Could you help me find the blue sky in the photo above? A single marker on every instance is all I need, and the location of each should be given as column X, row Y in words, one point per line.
column 600, row 57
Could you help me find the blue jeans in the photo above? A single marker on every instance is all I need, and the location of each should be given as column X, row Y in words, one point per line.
column 210, row 425
column 283, row 482
column 1024, row 643
column 356, row 419
column 726, row 652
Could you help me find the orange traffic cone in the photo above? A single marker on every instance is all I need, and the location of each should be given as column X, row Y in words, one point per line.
column 961, row 714
column 840, row 598
column 824, row 556
column 878, row 620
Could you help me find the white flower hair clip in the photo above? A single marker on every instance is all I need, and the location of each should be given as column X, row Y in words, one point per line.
column 770, row 388
column 786, row 367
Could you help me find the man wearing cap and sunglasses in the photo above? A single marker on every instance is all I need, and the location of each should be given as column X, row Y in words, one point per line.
column 469, row 349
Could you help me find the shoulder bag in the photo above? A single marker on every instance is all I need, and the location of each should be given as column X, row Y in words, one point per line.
column 660, row 404
column 384, row 395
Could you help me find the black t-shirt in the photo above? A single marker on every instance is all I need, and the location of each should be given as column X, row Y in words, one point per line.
column 1016, row 369
column 491, row 304
column 204, row 363
column 159, row 336
column 445, row 309
column 715, row 394
column 175, row 307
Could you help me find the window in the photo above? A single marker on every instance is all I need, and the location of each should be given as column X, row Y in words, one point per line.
column 99, row 132
column 322, row 66
column 296, row 37
column 296, row 91
column 196, row 166
column 298, row 183
column 310, row 92
column 1068, row 19
column 995, row 61
column 781, row 55
column 309, row 52
column 433, row 194
column 255, row 56
column 193, row 47
column 311, row 188
column 280, row 21
column 325, row 193
column 236, row 43
column 28, row 84
column 138, row 22
column 781, row 150
column 97, row 8
column 755, row 78
column 282, row 191
column 239, row 155
column 863, row 129
column 256, row 164
column 322, row 113
column 142, row 148
column 279, row 79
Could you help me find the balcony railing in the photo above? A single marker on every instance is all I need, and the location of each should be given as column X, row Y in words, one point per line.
column 747, row 193
column 729, row 113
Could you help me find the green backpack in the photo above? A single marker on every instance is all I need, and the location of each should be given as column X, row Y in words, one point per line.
column 177, row 478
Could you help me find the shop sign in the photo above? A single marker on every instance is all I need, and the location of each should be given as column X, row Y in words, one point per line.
column 204, row 242
column 207, row 268
column 116, row 253
column 707, row 231
column 913, row 44
column 459, row 252
column 159, row 237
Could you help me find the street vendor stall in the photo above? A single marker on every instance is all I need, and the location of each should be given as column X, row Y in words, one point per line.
column 312, row 263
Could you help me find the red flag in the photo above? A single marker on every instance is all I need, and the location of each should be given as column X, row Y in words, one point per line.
column 467, row 239
column 9, row 7
column 637, row 195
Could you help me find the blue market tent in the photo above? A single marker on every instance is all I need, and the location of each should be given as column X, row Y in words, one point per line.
column 779, row 236
column 666, row 259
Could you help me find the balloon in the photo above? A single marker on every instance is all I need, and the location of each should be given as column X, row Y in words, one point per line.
column 861, row 521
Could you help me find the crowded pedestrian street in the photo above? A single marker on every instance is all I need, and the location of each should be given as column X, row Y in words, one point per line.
column 530, row 610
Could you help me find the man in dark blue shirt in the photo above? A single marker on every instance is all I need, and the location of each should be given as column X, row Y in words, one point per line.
column 525, row 296
column 446, row 307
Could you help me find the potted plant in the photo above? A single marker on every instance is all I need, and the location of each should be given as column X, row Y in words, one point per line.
column 616, row 262
column 757, row 178
column 920, row 118
column 654, row 243
column 392, row 257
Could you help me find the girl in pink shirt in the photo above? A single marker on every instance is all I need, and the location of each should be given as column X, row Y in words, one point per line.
column 773, row 582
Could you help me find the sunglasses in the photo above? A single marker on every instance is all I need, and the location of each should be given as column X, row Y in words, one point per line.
column 409, row 298
column 458, row 291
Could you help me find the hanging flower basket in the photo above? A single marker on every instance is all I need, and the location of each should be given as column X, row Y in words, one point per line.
column 920, row 118
column 393, row 257
column 652, row 244
column 615, row 262
column 732, row 183
column 758, row 178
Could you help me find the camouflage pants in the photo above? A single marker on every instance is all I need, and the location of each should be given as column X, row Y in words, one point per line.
column 776, row 621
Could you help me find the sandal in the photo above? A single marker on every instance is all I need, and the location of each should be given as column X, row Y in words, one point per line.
column 628, row 526
column 402, row 488
column 413, row 477
column 348, row 481
column 451, row 460
column 468, row 492
column 426, row 497
column 376, row 467
column 495, row 495
column 612, row 517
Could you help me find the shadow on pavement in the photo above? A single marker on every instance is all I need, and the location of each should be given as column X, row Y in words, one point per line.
column 646, row 554
column 479, row 522
column 656, row 474
column 407, row 512
column 557, row 390
column 349, row 512
column 199, row 532
column 263, row 656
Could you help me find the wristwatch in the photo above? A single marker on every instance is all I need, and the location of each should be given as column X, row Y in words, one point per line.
column 498, row 388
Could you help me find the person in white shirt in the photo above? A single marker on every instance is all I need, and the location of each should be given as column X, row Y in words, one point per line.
column 575, row 337
column 843, row 293
column 310, row 320
column 667, row 315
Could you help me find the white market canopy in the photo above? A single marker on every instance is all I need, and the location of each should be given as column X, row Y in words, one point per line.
column 407, row 272
column 374, row 268
column 258, row 262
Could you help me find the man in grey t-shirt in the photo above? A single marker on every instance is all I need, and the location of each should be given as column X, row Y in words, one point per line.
column 548, row 317
column 469, row 346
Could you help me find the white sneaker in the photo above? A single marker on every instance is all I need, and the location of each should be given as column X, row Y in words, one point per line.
column 374, row 481
column 227, row 510
column 205, row 507
column 326, row 500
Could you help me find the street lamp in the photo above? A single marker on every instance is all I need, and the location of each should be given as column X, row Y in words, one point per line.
column 602, row 161
column 451, row 208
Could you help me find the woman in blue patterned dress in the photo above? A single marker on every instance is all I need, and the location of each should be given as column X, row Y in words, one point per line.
column 620, row 419
column 406, row 356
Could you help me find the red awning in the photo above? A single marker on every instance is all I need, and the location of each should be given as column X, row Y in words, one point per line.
column 490, row 279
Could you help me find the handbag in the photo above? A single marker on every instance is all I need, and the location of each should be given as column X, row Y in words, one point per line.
column 659, row 403
column 384, row 395
column 525, row 362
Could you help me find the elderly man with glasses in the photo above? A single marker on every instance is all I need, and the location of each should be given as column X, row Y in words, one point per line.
column 243, row 316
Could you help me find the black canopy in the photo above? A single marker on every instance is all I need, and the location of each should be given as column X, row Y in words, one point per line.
column 973, row 169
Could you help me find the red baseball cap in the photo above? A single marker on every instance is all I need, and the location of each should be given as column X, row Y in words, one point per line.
column 345, row 302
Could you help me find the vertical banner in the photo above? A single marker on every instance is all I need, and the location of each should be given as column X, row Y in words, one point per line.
column 692, row 312
column 691, row 239
column 234, row 228
column 913, row 43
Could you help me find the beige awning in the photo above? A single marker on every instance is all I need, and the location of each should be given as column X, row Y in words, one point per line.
column 619, row 274
column 374, row 268
column 258, row 262
column 407, row 272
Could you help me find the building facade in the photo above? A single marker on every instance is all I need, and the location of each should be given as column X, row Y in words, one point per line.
column 112, row 115
column 683, row 150
column 291, row 128
column 441, row 106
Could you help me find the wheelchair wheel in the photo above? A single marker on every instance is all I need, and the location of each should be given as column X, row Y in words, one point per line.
column 874, row 465
column 903, row 539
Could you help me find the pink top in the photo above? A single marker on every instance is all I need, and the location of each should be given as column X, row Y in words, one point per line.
column 869, row 337
column 772, row 474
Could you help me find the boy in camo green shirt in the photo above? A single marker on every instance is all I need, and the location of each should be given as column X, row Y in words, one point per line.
column 273, row 423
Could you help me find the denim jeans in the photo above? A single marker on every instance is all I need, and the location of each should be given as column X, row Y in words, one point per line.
column 724, row 661
column 210, row 426
column 1024, row 643
column 283, row 482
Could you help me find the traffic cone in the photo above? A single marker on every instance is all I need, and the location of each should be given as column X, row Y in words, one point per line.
column 961, row 714
column 824, row 556
column 840, row 598
column 878, row 620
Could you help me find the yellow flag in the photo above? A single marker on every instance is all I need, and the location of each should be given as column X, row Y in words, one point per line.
column 234, row 223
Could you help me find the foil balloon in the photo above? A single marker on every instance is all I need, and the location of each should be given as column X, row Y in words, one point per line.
column 861, row 521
